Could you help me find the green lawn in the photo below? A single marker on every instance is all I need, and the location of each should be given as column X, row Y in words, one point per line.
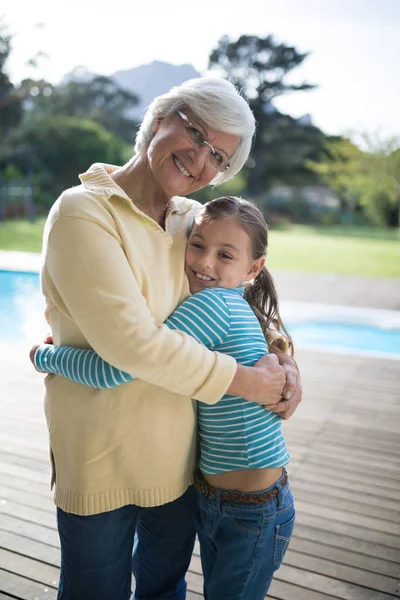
column 22, row 235
column 351, row 251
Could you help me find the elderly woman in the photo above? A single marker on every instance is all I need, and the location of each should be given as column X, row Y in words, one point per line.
column 113, row 271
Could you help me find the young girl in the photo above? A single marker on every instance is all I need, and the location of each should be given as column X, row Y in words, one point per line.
column 246, row 512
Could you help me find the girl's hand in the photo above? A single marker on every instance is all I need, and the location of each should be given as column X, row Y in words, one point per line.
column 47, row 340
column 32, row 353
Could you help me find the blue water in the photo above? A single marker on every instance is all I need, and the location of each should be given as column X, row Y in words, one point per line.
column 21, row 308
column 22, row 321
column 345, row 335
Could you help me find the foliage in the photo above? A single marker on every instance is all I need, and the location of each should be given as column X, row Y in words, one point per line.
column 260, row 68
column 10, row 101
column 366, row 181
column 97, row 98
column 59, row 148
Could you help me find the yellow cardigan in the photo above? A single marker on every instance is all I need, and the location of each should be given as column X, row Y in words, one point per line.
column 110, row 277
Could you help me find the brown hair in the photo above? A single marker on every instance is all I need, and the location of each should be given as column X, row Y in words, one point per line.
column 261, row 292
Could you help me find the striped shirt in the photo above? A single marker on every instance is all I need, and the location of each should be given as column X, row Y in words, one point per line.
column 234, row 433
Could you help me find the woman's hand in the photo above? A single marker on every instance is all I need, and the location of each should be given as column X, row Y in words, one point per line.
column 292, row 393
column 263, row 383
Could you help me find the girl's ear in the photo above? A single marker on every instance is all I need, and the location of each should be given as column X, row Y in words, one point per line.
column 255, row 268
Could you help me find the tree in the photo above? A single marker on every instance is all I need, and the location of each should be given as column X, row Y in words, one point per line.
column 10, row 100
column 259, row 67
column 97, row 98
column 59, row 148
column 366, row 181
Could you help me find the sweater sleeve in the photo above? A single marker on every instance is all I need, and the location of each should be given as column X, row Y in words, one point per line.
column 93, row 284
column 204, row 316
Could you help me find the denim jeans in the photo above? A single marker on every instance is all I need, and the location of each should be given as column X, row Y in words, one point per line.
column 96, row 552
column 242, row 545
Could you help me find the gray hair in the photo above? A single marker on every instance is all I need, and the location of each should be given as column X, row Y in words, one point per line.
column 217, row 103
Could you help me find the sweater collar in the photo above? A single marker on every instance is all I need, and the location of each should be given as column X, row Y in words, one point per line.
column 98, row 179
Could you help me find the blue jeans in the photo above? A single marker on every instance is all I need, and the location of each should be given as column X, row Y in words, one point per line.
column 96, row 552
column 241, row 545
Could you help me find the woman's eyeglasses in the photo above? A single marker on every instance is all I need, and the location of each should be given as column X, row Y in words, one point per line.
column 217, row 161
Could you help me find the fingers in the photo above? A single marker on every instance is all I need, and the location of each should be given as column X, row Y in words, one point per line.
column 291, row 384
column 48, row 339
column 280, row 407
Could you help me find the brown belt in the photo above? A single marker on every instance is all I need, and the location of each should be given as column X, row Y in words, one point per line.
column 208, row 491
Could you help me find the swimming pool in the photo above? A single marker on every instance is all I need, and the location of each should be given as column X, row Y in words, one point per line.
column 345, row 329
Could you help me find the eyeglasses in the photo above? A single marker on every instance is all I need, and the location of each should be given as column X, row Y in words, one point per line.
column 217, row 161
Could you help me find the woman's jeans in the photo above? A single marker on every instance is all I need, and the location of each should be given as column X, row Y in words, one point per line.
column 242, row 544
column 96, row 552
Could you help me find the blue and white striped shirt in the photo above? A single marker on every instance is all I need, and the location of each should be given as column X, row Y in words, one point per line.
column 234, row 433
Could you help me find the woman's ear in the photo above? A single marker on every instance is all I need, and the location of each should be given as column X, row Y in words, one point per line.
column 255, row 268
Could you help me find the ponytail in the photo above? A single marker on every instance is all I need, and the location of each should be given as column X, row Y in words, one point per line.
column 262, row 296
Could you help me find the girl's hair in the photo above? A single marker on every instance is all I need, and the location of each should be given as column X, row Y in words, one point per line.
column 261, row 292
column 217, row 103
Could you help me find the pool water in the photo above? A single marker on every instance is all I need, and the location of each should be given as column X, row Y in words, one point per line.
column 21, row 308
column 22, row 321
column 345, row 335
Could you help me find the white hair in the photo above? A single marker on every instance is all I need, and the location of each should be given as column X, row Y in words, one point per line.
column 217, row 103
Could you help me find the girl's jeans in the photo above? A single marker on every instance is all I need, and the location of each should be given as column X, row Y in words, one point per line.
column 96, row 552
column 242, row 544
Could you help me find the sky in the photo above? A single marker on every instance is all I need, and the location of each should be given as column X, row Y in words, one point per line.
column 353, row 45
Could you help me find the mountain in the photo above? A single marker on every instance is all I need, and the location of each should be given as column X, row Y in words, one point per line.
column 146, row 81
column 149, row 81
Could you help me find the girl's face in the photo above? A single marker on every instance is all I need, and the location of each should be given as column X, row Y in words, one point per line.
column 218, row 254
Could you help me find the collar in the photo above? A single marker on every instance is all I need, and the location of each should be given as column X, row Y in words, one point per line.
column 98, row 179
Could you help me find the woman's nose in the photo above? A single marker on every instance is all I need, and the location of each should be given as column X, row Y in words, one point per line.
column 200, row 155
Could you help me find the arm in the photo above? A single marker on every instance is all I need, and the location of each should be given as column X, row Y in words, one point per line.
column 81, row 366
column 204, row 316
column 92, row 283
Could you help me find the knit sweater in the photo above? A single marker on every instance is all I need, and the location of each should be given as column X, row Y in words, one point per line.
column 111, row 276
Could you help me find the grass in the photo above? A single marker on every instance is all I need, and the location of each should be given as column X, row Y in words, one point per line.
column 346, row 250
column 353, row 251
column 22, row 235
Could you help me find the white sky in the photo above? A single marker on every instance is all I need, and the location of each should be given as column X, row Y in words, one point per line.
column 354, row 46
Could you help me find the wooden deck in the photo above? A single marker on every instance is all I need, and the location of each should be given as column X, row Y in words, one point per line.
column 345, row 475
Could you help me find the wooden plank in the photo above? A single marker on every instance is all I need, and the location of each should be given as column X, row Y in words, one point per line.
column 20, row 587
column 334, row 587
column 343, row 556
column 351, row 518
column 33, row 531
column 336, row 539
column 28, row 514
column 282, row 590
column 25, row 498
column 348, row 530
column 37, row 488
column 318, row 473
column 330, row 495
column 24, row 473
column 30, row 548
column 342, row 572
column 31, row 569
